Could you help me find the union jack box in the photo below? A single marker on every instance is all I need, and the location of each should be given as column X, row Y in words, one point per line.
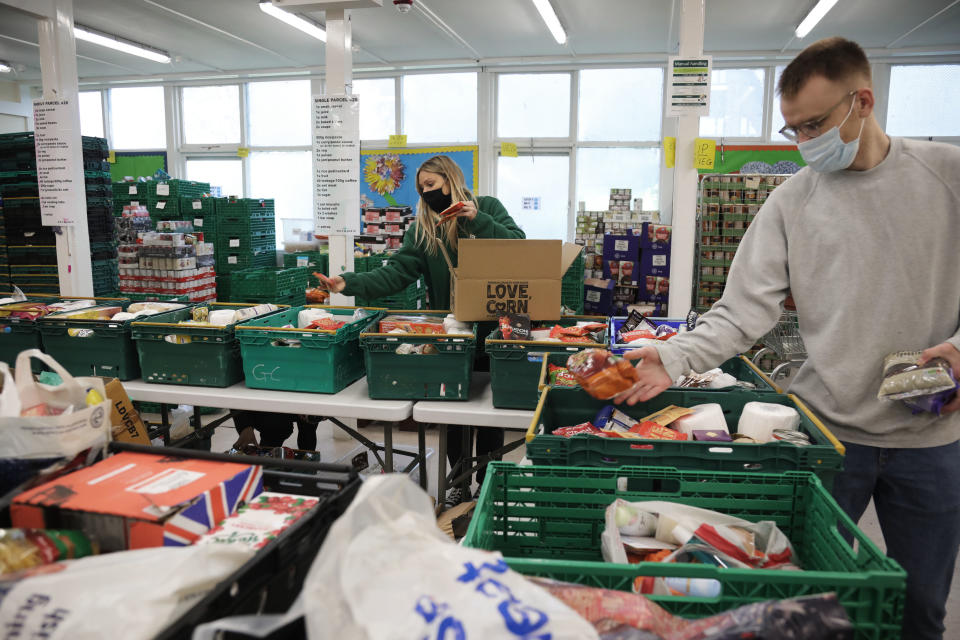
column 136, row 500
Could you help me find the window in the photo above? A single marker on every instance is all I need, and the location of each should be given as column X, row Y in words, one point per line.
column 91, row 113
column 918, row 95
column 138, row 118
column 600, row 169
column 211, row 115
column 224, row 173
column 620, row 104
column 534, row 105
column 440, row 107
column 776, row 119
column 534, row 189
column 279, row 113
column 378, row 114
column 736, row 104
column 287, row 177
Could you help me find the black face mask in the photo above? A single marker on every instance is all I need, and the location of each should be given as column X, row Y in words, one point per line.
column 437, row 199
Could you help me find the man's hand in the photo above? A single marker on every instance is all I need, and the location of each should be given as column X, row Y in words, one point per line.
column 949, row 353
column 654, row 379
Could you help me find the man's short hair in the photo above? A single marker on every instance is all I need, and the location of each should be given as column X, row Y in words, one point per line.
column 833, row 58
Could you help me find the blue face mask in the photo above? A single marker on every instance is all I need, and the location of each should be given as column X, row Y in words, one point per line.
column 828, row 152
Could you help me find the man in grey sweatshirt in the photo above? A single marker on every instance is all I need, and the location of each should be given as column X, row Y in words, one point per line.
column 866, row 239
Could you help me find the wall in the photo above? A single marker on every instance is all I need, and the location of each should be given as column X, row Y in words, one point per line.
column 16, row 110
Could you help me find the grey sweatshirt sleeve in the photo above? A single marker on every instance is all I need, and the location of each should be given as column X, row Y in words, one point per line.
column 757, row 284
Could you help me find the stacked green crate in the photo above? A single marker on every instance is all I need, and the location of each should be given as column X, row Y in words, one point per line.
column 4, row 260
column 246, row 235
column 726, row 206
column 279, row 285
column 201, row 212
column 413, row 297
column 316, row 260
column 164, row 197
column 128, row 194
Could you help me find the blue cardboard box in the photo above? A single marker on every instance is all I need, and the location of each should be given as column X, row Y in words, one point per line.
column 654, row 262
column 621, row 247
column 656, row 236
column 598, row 297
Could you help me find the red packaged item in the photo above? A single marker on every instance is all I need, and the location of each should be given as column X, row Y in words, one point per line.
column 654, row 431
column 561, row 376
column 584, row 427
column 600, row 373
column 639, row 334
column 412, row 324
column 326, row 324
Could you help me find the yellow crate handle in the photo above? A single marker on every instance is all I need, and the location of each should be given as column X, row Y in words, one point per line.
column 842, row 450
column 762, row 375
column 535, row 421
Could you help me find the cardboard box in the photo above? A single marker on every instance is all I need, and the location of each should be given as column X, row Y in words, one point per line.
column 656, row 236
column 621, row 247
column 494, row 277
column 598, row 296
column 138, row 500
column 126, row 422
column 655, row 289
column 655, row 262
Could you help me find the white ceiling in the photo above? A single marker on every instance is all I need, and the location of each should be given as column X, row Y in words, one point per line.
column 234, row 35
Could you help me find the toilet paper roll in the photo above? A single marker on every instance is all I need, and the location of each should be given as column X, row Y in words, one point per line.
column 222, row 317
column 759, row 419
column 705, row 416
column 307, row 316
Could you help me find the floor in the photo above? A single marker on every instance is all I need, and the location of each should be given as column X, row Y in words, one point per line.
column 334, row 445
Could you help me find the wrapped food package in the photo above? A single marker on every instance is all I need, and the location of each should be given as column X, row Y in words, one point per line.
column 600, row 373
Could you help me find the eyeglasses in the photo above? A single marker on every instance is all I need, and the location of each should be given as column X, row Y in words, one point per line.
column 811, row 128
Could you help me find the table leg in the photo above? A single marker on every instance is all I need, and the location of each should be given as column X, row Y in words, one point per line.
column 165, row 424
column 442, row 465
column 388, row 447
column 422, row 451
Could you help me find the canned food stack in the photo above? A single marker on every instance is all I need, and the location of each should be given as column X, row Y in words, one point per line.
column 727, row 204
column 170, row 263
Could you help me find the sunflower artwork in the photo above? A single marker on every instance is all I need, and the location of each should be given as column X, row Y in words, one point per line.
column 384, row 174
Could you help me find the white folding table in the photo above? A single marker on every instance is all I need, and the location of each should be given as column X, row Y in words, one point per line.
column 477, row 411
column 352, row 402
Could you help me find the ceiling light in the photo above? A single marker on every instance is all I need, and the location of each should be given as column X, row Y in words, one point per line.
column 83, row 33
column 816, row 14
column 296, row 22
column 553, row 23
column 5, row 68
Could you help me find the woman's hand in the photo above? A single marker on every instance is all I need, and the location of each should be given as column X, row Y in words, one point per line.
column 335, row 284
column 469, row 210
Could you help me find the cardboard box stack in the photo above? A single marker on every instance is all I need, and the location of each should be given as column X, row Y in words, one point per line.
column 171, row 262
column 612, row 252
column 382, row 229
column 726, row 206
column 655, row 263
column 30, row 246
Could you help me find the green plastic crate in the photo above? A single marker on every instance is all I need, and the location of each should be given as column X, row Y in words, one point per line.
column 230, row 262
column 155, row 297
column 210, row 359
column 316, row 260
column 515, row 365
column 91, row 347
column 244, row 207
column 562, row 407
column 414, row 297
column 571, row 287
column 445, row 375
column 324, row 361
column 547, row 522
column 20, row 334
column 176, row 188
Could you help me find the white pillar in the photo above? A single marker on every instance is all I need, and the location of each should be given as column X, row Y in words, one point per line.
column 58, row 66
column 684, row 212
column 339, row 79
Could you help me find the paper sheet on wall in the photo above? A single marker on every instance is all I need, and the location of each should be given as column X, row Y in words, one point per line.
column 336, row 164
column 688, row 93
column 59, row 162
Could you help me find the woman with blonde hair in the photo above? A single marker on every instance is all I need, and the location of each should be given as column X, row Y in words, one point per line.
column 440, row 183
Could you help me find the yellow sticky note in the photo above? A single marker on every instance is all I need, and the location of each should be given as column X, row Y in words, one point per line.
column 704, row 153
column 398, row 140
column 243, row 152
column 112, row 157
column 670, row 151
column 508, row 149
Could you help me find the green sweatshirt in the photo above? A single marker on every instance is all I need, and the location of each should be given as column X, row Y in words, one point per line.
column 413, row 260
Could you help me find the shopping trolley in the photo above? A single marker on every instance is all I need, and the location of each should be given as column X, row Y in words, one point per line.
column 785, row 342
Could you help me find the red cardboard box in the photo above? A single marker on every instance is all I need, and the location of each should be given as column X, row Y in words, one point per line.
column 136, row 500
